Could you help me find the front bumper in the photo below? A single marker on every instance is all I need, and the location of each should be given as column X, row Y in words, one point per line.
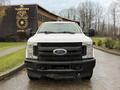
column 56, row 67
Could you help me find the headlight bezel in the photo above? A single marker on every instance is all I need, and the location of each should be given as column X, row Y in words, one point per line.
column 29, row 50
column 89, row 50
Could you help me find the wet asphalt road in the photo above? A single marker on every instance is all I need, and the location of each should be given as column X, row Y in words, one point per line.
column 106, row 77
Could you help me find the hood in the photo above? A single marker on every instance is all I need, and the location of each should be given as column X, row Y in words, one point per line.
column 47, row 38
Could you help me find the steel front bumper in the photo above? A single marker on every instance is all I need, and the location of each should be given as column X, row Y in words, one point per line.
column 56, row 67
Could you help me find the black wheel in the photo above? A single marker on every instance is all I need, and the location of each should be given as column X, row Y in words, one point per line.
column 31, row 75
column 88, row 77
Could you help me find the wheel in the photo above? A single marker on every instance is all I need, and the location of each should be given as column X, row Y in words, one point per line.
column 32, row 76
column 88, row 77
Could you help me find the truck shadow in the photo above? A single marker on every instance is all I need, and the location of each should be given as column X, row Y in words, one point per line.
column 60, row 84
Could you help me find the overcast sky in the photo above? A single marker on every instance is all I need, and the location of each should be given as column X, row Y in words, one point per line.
column 57, row 5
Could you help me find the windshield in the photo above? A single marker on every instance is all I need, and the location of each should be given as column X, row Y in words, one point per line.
column 59, row 28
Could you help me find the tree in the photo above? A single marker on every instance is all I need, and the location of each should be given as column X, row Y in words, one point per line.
column 68, row 13
column 4, row 2
column 87, row 14
column 92, row 15
column 98, row 16
column 115, row 15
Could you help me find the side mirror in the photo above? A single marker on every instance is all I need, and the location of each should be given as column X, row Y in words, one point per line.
column 29, row 32
column 91, row 32
column 86, row 33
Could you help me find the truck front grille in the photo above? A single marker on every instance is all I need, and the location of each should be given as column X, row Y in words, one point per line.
column 44, row 51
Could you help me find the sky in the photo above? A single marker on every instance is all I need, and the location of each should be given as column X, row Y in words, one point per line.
column 57, row 5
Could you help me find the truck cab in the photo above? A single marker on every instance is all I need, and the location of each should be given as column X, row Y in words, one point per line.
column 59, row 48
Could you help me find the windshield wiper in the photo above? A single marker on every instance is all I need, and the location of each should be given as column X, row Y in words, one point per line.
column 46, row 32
column 68, row 32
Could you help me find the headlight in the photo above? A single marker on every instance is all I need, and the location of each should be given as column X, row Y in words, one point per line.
column 29, row 50
column 89, row 51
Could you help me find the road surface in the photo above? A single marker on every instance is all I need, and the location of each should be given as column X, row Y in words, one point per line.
column 106, row 77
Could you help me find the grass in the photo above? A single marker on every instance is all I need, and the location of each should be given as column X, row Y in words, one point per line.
column 12, row 60
column 6, row 45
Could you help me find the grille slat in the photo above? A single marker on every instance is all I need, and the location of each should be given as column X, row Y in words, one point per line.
column 52, row 48
column 51, row 54
column 59, row 44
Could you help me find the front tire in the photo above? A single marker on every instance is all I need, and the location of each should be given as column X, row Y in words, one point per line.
column 89, row 76
column 31, row 75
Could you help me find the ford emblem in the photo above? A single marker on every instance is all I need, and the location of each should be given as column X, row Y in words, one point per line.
column 60, row 51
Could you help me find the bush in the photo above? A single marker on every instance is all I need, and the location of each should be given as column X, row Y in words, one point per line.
column 99, row 43
column 117, row 45
column 109, row 43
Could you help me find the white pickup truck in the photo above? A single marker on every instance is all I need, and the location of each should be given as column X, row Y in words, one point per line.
column 59, row 48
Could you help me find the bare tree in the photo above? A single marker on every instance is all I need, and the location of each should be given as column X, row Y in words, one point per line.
column 68, row 13
column 115, row 15
column 64, row 13
column 92, row 15
column 87, row 14
column 72, row 12
column 98, row 16
column 4, row 2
